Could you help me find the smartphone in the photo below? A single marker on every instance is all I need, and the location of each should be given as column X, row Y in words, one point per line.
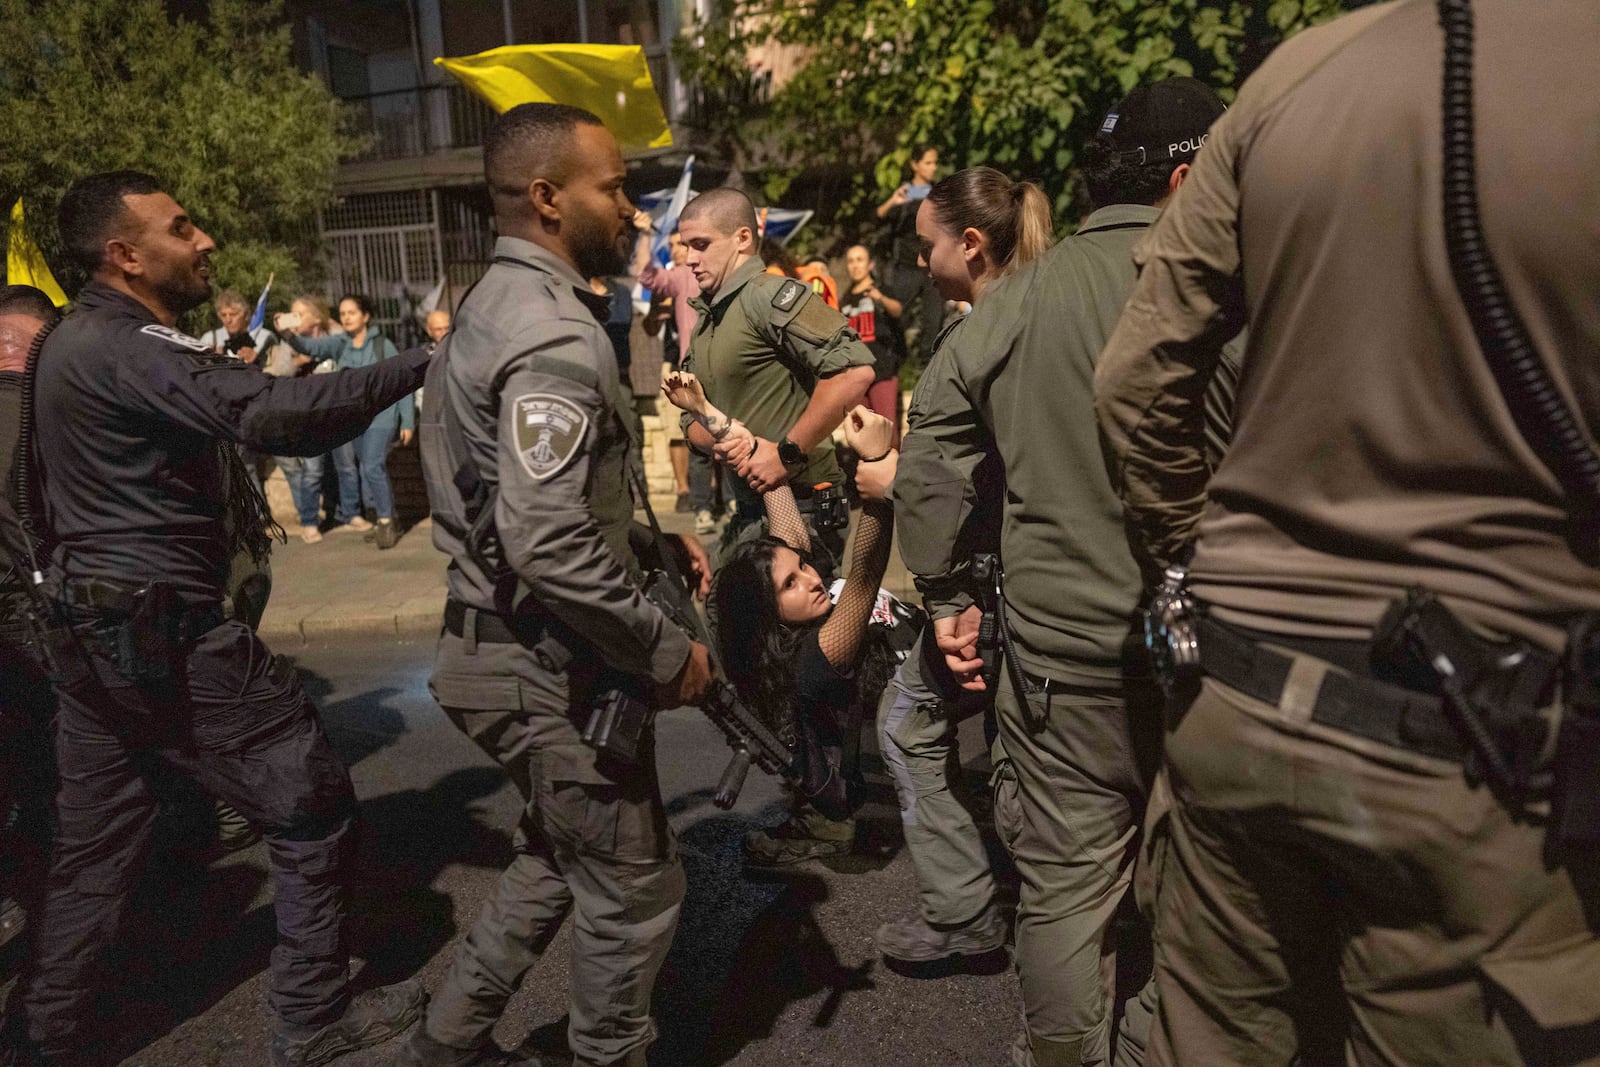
column 286, row 320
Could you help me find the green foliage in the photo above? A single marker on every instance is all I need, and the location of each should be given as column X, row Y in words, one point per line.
column 1016, row 84
column 217, row 111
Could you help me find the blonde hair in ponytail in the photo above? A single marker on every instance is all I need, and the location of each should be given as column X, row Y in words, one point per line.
column 1033, row 230
column 1014, row 216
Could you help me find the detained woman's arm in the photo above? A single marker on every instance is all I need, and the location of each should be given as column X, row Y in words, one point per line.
column 869, row 434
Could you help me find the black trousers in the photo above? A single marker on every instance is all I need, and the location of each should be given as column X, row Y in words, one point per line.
column 246, row 733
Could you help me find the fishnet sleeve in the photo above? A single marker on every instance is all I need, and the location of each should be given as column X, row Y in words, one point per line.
column 784, row 520
column 841, row 636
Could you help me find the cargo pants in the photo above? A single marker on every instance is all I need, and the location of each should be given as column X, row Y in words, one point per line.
column 240, row 726
column 917, row 736
column 1069, row 799
column 593, row 842
column 1321, row 895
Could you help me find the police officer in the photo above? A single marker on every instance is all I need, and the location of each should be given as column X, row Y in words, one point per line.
column 1075, row 707
column 529, row 435
column 1332, row 887
column 135, row 421
column 771, row 354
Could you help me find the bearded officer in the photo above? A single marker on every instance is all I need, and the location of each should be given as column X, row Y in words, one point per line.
column 531, row 439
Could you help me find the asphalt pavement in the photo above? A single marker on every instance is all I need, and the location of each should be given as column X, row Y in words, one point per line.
column 764, row 970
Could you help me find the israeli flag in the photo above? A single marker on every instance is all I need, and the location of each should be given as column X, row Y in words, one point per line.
column 259, row 319
column 668, row 219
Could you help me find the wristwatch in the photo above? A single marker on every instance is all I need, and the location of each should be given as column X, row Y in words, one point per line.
column 791, row 454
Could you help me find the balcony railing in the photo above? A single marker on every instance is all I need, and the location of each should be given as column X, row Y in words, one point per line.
column 407, row 123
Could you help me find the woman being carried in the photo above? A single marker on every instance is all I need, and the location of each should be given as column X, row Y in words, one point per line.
column 806, row 663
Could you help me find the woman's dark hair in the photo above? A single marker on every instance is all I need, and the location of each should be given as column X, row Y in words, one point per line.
column 920, row 150
column 360, row 301
column 758, row 648
column 1112, row 176
column 774, row 254
column 1015, row 216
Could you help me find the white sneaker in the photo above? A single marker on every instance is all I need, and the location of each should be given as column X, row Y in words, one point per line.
column 310, row 534
column 704, row 522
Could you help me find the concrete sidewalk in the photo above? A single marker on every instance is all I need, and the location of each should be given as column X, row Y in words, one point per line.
column 345, row 586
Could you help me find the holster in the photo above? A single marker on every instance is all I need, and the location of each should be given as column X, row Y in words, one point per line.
column 1575, row 803
column 141, row 628
column 618, row 727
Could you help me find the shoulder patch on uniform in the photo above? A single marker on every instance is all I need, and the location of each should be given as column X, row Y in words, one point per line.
column 549, row 431
column 788, row 293
column 177, row 337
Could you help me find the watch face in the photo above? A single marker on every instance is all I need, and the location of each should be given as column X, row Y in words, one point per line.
column 790, row 452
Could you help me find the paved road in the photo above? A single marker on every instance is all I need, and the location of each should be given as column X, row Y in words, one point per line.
column 763, row 971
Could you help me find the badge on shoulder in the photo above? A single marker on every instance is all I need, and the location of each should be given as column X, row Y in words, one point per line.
column 177, row 337
column 789, row 292
column 549, row 432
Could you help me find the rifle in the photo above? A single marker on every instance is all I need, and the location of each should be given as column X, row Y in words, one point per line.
column 619, row 721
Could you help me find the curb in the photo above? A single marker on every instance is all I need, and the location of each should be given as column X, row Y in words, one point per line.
column 376, row 624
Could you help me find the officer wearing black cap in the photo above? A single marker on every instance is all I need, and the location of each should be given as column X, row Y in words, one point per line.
column 1077, row 713
column 134, row 435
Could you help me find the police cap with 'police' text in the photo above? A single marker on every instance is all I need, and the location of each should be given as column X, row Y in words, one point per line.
column 1165, row 122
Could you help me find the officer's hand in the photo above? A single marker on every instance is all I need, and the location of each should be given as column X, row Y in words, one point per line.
column 867, row 433
column 874, row 480
column 957, row 638
column 699, row 564
column 694, row 677
column 762, row 470
column 405, row 438
column 733, row 448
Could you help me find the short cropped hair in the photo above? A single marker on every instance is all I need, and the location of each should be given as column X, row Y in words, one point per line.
column 530, row 141
column 93, row 208
column 232, row 298
column 725, row 209
column 26, row 300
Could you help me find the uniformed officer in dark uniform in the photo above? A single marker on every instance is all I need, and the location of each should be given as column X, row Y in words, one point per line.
column 1336, row 873
column 135, row 423
column 527, row 444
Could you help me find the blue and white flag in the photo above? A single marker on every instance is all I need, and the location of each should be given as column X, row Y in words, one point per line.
column 668, row 220
column 259, row 319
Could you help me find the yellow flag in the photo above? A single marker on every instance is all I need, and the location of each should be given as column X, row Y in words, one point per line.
column 25, row 264
column 611, row 80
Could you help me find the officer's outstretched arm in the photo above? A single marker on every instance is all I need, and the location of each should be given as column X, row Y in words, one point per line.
column 937, row 490
column 219, row 395
column 819, row 340
column 549, row 423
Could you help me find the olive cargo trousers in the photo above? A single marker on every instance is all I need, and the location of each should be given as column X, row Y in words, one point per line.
column 1319, row 894
column 917, row 736
column 591, row 845
column 1071, row 767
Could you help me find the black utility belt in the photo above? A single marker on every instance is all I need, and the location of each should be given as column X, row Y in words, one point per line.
column 492, row 628
column 1364, row 706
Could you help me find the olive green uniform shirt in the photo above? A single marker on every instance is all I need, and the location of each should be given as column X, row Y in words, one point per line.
column 1015, row 381
column 1372, row 449
column 759, row 347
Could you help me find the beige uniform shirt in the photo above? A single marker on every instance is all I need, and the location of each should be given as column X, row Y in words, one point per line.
column 1372, row 449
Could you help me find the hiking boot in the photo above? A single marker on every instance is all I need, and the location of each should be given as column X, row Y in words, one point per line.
column 704, row 522
column 424, row 1051
column 310, row 534
column 371, row 1018
column 803, row 837
column 911, row 940
column 387, row 535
